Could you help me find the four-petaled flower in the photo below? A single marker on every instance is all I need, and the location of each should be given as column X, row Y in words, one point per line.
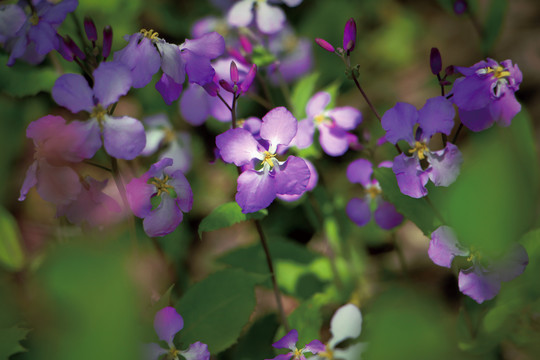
column 160, row 196
column 481, row 278
column 167, row 324
column 359, row 209
column 264, row 176
column 486, row 94
column 289, row 342
column 436, row 116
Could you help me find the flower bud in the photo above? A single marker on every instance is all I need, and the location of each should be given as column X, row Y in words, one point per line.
column 226, row 86
column 349, row 35
column 435, row 61
column 460, row 6
column 246, row 44
column 90, row 29
column 107, row 41
column 234, row 72
column 74, row 48
column 325, row 44
column 211, row 88
column 248, row 80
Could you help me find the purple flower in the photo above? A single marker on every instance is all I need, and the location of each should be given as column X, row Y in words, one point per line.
column 146, row 53
column 481, row 278
column 437, row 115
column 123, row 137
column 294, row 56
column 332, row 125
column 349, row 40
column 159, row 197
column 235, row 85
column 270, row 19
column 58, row 146
column 486, row 94
column 167, row 324
column 265, row 176
column 289, row 342
column 37, row 36
column 359, row 209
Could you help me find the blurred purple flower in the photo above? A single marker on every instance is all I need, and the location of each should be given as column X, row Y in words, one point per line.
column 167, row 324
column 437, row 116
column 486, row 94
column 123, row 137
column 332, row 124
column 266, row 176
column 481, row 278
column 358, row 209
column 270, row 19
column 294, row 56
column 160, row 196
column 289, row 342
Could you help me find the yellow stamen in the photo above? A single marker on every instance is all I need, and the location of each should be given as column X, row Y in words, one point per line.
column 498, row 72
column 319, row 119
column 173, row 353
column 268, row 159
column 373, row 191
column 329, row 354
column 34, row 19
column 99, row 113
column 169, row 136
column 297, row 354
column 161, row 185
column 420, row 148
column 474, row 255
column 151, row 34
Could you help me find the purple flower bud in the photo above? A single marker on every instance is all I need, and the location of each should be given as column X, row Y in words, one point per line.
column 107, row 41
column 90, row 29
column 435, row 61
column 74, row 48
column 211, row 88
column 246, row 44
column 226, row 86
column 325, row 44
column 349, row 35
column 248, row 80
column 234, row 72
column 460, row 6
column 449, row 70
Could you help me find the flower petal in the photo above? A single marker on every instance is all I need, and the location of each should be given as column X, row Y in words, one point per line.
column 504, row 109
column 437, row 116
column 333, row 139
column 29, row 181
column 153, row 351
column 478, row 285
column 472, row 92
column 194, row 105
column 171, row 61
column 168, row 88
column 123, row 137
column 346, row 117
column 138, row 193
column 238, row 146
column 241, row 14
column 444, row 246
column 288, row 341
column 198, row 68
column 477, row 120
column 182, row 189
column 445, row 165
column 304, row 136
column 399, row 123
column 270, row 19
column 512, row 263
column 163, row 219
column 358, row 211
column 167, row 323
column 292, row 177
column 209, row 45
column 317, row 103
column 72, row 92
column 345, row 324
column 315, row 346
column 256, row 191
column 279, row 126
column 360, row 171
column 57, row 184
column 111, row 81
column 196, row 351
column 410, row 177
column 386, row 216
column 353, row 352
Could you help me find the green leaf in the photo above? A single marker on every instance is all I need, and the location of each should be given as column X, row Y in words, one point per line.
column 9, row 341
column 416, row 210
column 216, row 309
column 256, row 343
column 25, row 80
column 11, row 254
column 262, row 57
column 301, row 92
column 227, row 215
column 164, row 300
column 307, row 320
column 493, row 25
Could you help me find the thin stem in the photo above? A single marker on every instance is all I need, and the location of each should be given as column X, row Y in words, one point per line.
column 233, row 111
column 266, row 91
column 277, row 293
column 225, row 102
column 457, row 133
column 97, row 165
column 260, row 100
column 444, row 138
column 122, row 190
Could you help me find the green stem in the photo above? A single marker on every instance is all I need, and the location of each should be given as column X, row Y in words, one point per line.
column 457, row 133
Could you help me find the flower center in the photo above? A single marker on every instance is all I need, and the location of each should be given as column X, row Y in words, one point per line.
column 474, row 255
column 173, row 353
column 161, row 185
column 268, row 159
column 328, row 353
column 297, row 354
column 420, row 148
column 499, row 72
column 169, row 136
column 373, row 191
column 99, row 113
column 150, row 34
column 34, row 19
column 319, row 119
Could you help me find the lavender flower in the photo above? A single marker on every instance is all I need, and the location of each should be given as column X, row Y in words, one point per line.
column 486, row 94
column 167, row 324
column 359, row 209
column 332, row 125
column 294, row 56
column 160, row 196
column 123, row 137
column 270, row 19
column 266, row 176
column 481, row 278
column 289, row 342
column 437, row 115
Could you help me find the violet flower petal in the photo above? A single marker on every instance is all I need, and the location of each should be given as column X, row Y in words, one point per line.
column 445, row 165
column 57, row 184
column 29, row 182
column 504, row 109
column 304, row 135
column 334, row 140
column 313, row 179
column 196, row 351
column 153, row 351
column 182, row 188
column 292, row 177
column 270, row 19
column 198, row 68
column 172, row 63
column 240, row 14
column 386, row 216
column 346, row 117
column 168, row 88
column 288, row 341
column 72, row 92
column 315, row 347
column 279, row 126
column 238, row 146
column 162, row 221
column 399, row 123
column 478, row 285
column 167, row 322
column 511, row 264
column 44, row 36
column 471, row 92
column 444, row 246
column 138, row 193
column 209, row 45
column 287, row 356
column 410, row 177
column 123, row 137
column 111, row 81
column 360, row 171
column 349, row 35
column 317, row 103
column 358, row 211
column 476, row 120
column 255, row 191
column 436, row 116
column 194, row 105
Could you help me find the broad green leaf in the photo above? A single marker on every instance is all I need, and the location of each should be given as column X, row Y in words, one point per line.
column 256, row 343
column 216, row 309
column 302, row 91
column 10, row 341
column 164, row 300
column 227, row 215
column 417, row 210
column 493, row 25
column 307, row 320
column 11, row 253
column 25, row 80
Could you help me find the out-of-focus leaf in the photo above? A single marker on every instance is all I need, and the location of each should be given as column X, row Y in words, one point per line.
column 302, row 91
column 227, row 215
column 262, row 57
column 416, row 210
column 10, row 341
column 216, row 309
column 25, row 80
column 256, row 343
column 11, row 253
column 164, row 300
column 307, row 320
column 493, row 24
